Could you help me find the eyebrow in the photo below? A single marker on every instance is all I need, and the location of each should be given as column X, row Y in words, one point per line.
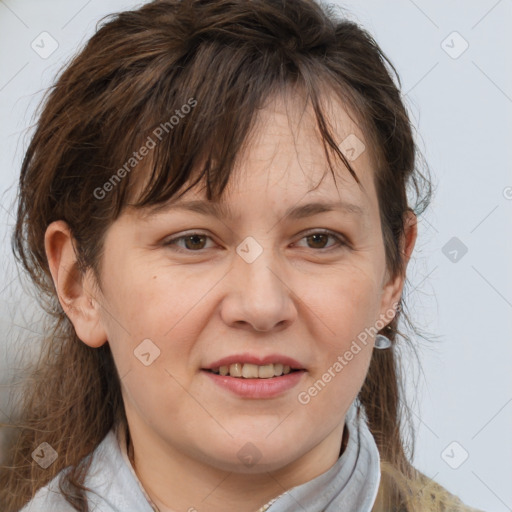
column 221, row 210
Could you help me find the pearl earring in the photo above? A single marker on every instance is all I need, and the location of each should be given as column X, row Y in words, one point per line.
column 382, row 342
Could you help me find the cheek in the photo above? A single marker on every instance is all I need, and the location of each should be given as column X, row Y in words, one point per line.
column 343, row 354
column 346, row 303
column 345, row 308
column 148, row 302
column 150, row 309
column 149, row 299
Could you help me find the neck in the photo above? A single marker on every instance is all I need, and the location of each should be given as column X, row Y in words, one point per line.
column 174, row 481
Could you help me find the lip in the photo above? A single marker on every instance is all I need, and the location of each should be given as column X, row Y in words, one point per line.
column 258, row 360
column 257, row 388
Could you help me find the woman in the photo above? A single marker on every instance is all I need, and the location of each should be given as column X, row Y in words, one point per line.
column 214, row 209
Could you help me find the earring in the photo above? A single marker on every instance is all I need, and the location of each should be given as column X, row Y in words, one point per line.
column 382, row 342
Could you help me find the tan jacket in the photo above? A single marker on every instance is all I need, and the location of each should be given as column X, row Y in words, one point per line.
column 421, row 494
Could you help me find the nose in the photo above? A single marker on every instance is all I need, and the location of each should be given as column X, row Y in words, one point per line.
column 259, row 297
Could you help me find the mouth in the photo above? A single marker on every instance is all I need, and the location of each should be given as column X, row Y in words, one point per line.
column 253, row 371
column 251, row 381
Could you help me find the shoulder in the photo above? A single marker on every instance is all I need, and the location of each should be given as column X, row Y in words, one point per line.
column 48, row 498
column 434, row 497
column 418, row 492
column 110, row 483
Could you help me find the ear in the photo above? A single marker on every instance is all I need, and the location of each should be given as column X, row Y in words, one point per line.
column 74, row 288
column 392, row 290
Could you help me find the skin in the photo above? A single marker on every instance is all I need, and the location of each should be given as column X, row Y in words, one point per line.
column 304, row 297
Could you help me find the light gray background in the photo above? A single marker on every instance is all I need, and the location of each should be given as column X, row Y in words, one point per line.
column 461, row 108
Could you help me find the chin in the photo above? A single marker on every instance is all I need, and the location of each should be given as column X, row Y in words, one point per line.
column 252, row 462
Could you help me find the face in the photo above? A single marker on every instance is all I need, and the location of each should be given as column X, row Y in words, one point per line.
column 181, row 290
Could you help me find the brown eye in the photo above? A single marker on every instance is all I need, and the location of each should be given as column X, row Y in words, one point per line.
column 319, row 239
column 194, row 242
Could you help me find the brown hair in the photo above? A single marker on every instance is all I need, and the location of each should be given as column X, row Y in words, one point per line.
column 224, row 59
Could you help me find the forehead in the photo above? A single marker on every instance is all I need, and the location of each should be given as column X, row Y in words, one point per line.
column 286, row 138
column 284, row 158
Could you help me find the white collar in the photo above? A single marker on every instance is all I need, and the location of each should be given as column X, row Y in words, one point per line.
column 351, row 483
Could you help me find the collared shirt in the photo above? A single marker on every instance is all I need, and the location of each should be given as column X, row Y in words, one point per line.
column 350, row 484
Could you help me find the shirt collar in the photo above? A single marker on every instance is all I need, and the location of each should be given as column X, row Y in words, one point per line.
column 350, row 484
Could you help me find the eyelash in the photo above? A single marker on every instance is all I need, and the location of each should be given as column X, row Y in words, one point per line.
column 173, row 241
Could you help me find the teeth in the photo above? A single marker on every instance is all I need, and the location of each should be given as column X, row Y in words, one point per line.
column 250, row 371
column 253, row 371
column 235, row 370
column 264, row 372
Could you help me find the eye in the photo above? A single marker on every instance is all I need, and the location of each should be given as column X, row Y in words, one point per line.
column 195, row 242
column 319, row 238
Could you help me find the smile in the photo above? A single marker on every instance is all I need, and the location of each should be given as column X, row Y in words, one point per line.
column 257, row 388
column 253, row 371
